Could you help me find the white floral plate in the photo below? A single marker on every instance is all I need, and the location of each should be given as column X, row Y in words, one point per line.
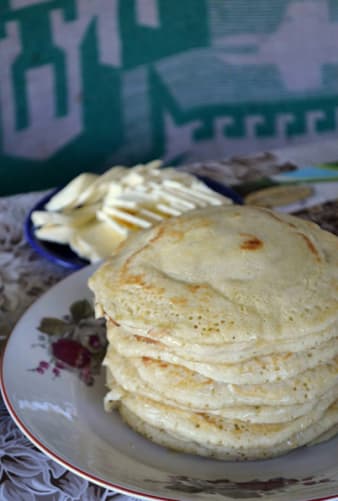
column 50, row 386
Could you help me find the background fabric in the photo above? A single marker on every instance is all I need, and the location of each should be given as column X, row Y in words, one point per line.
column 88, row 83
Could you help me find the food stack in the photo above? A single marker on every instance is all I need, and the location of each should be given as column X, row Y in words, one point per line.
column 222, row 328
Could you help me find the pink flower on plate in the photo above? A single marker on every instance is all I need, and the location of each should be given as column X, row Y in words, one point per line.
column 76, row 342
column 71, row 353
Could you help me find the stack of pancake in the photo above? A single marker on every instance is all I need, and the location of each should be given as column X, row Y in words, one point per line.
column 223, row 332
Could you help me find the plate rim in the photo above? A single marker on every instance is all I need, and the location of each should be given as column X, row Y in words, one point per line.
column 54, row 456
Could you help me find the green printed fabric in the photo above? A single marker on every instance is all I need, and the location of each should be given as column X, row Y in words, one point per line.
column 89, row 83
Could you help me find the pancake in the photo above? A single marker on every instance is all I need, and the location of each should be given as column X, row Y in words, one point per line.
column 269, row 368
column 135, row 342
column 323, row 429
column 190, row 388
column 223, row 275
column 216, row 431
column 222, row 327
column 123, row 384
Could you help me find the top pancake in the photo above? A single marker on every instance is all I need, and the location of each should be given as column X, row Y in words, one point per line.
column 224, row 275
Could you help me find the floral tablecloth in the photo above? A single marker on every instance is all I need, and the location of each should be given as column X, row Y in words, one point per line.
column 25, row 472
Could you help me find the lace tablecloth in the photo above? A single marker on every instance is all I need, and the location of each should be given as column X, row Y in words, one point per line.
column 25, row 472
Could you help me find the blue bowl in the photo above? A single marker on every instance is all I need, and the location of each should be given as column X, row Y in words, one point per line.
column 63, row 255
column 59, row 254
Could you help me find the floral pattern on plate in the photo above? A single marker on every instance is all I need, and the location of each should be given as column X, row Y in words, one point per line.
column 77, row 342
column 255, row 488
